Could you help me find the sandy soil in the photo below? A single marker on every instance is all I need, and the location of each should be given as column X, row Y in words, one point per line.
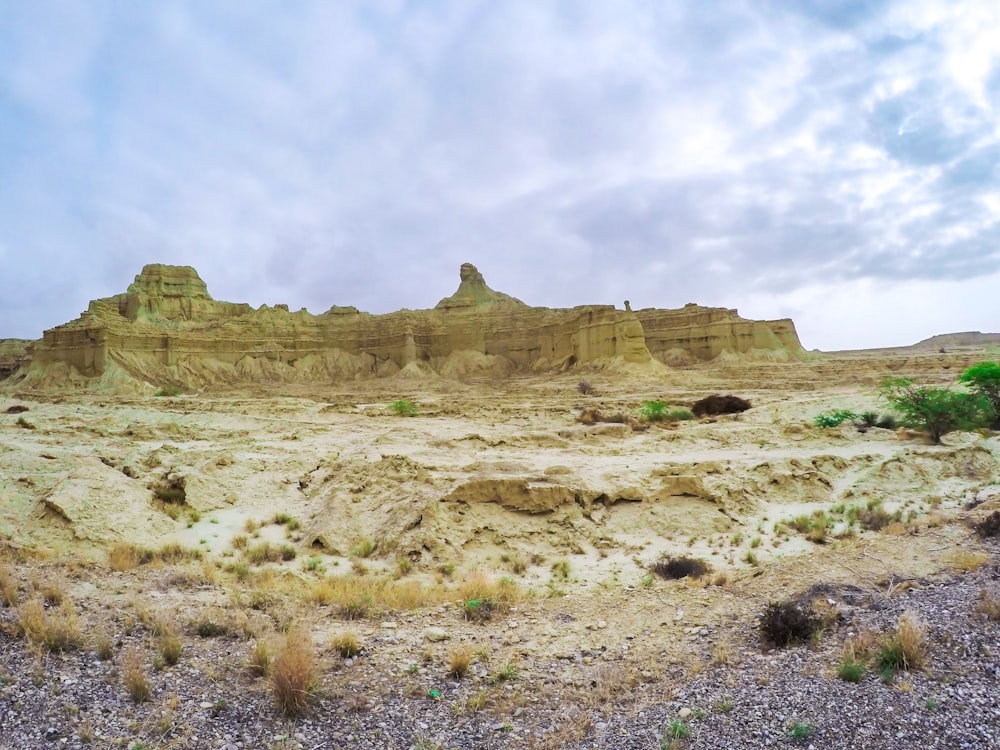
column 499, row 476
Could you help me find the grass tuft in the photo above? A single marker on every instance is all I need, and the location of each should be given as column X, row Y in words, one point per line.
column 293, row 674
column 347, row 644
column 905, row 648
column 134, row 676
column 459, row 661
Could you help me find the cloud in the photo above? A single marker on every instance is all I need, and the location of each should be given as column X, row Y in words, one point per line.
column 357, row 153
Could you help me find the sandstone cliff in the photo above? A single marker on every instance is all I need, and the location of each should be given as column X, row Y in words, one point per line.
column 704, row 333
column 166, row 328
column 13, row 354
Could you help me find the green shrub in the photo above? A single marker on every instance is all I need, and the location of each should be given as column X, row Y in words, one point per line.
column 653, row 411
column 800, row 730
column 170, row 390
column 834, row 418
column 403, row 408
column 937, row 411
column 984, row 380
column 850, row 670
column 867, row 419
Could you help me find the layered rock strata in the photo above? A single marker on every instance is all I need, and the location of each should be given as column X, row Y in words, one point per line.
column 167, row 328
column 13, row 354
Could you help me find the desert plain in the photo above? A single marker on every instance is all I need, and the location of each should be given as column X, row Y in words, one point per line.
column 476, row 571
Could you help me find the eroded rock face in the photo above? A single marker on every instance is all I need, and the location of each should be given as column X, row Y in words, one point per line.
column 166, row 328
column 13, row 354
column 706, row 332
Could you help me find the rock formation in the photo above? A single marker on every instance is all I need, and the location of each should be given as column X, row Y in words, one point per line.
column 703, row 333
column 166, row 328
column 13, row 354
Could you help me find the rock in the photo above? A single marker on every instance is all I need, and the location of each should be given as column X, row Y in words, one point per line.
column 684, row 713
column 435, row 634
column 167, row 329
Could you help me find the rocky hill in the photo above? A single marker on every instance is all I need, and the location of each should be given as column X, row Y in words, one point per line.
column 167, row 329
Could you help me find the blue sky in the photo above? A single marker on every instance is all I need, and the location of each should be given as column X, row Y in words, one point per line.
column 834, row 162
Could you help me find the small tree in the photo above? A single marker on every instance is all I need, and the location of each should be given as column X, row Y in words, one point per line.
column 938, row 411
column 984, row 379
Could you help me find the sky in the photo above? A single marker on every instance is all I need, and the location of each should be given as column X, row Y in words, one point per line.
column 832, row 161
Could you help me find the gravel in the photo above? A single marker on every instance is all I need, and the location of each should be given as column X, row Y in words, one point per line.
column 761, row 699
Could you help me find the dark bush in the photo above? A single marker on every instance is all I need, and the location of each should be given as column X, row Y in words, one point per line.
column 784, row 623
column 170, row 490
column 713, row 405
column 875, row 518
column 17, row 409
column 680, row 567
column 887, row 422
column 584, row 387
column 989, row 526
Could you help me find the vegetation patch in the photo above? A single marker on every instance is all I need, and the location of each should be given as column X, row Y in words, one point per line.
column 403, row 408
column 936, row 411
column 834, row 418
column 905, row 648
column 293, row 674
column 673, row 568
column 714, row 405
column 989, row 526
column 786, row 623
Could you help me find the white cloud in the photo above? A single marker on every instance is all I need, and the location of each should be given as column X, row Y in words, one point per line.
column 356, row 153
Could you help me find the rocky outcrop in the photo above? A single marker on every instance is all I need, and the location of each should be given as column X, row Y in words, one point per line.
column 13, row 354
column 704, row 333
column 166, row 328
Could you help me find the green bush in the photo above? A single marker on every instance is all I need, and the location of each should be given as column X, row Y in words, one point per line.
column 653, row 411
column 660, row 411
column 170, row 390
column 984, row 380
column 403, row 408
column 834, row 418
column 937, row 411
column 850, row 670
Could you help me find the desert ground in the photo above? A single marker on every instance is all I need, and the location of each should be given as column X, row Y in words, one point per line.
column 479, row 574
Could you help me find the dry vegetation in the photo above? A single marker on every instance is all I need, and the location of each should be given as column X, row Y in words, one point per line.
column 514, row 613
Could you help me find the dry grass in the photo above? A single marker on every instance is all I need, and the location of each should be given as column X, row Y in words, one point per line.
column 293, row 674
column 356, row 597
column 54, row 630
column 126, row 556
column 482, row 595
column 906, row 647
column 8, row 588
column 52, row 590
column 988, row 605
column 123, row 557
column 967, row 560
column 134, row 676
column 459, row 661
column 104, row 647
column 347, row 643
column 171, row 645
column 259, row 662
column 860, row 647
